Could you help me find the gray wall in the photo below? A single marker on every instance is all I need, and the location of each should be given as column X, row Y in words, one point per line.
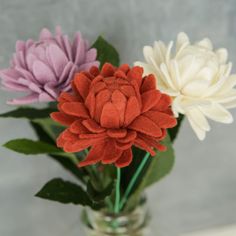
column 200, row 192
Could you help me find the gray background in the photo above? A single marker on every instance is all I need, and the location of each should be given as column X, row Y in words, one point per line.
column 200, row 193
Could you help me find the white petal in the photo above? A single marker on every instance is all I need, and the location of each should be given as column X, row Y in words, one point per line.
column 222, row 54
column 168, row 79
column 177, row 106
column 230, row 82
column 206, row 43
column 148, row 53
column 217, row 113
column 181, row 42
column 231, row 104
column 159, row 51
column 196, row 88
column 168, row 52
column 201, row 134
column 175, row 75
column 198, row 118
column 182, row 38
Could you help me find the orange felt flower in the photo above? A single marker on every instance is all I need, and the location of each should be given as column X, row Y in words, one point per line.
column 111, row 110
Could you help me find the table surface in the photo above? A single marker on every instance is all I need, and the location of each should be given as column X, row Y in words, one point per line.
column 199, row 194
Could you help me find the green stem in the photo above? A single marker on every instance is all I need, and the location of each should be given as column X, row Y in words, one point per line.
column 133, row 180
column 117, row 200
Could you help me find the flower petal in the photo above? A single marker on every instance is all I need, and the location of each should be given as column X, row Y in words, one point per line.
column 57, row 58
column 162, row 120
column 75, row 109
column 82, row 84
column 110, row 116
column 150, row 99
column 34, row 97
column 42, row 72
column 217, row 113
column 95, row 155
column 132, row 110
column 125, row 159
column 63, row 118
column 144, row 125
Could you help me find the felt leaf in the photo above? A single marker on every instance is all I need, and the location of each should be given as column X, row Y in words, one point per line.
column 98, row 195
column 156, row 168
column 28, row 113
column 68, row 162
column 174, row 131
column 106, row 52
column 52, row 128
column 65, row 192
column 27, row 146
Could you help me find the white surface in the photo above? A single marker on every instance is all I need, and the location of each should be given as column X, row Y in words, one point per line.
column 226, row 231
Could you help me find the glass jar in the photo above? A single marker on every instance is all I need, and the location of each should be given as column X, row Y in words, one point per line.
column 133, row 223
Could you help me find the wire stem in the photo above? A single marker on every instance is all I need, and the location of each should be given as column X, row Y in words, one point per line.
column 133, row 180
column 117, row 200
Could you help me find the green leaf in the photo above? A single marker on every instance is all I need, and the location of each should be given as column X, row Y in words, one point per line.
column 52, row 128
column 99, row 195
column 67, row 162
column 160, row 165
column 29, row 113
column 65, row 192
column 174, row 131
column 27, row 146
column 106, row 52
column 156, row 168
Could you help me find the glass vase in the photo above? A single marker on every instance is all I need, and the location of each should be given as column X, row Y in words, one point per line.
column 132, row 223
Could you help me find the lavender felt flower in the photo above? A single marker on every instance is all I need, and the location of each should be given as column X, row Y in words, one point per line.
column 46, row 67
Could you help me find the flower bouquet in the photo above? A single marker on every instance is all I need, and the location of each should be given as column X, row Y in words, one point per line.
column 111, row 125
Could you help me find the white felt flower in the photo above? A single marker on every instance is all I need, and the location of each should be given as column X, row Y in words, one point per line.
column 196, row 77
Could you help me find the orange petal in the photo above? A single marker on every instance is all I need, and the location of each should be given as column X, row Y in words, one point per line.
column 124, row 67
column 107, row 70
column 93, row 126
column 120, row 74
column 101, row 99
column 119, row 101
column 161, row 119
column 62, row 118
column 82, row 84
column 78, row 128
column 125, row 159
column 67, row 97
column 117, row 133
column 93, row 136
column 127, row 90
column 94, row 155
column 152, row 142
column 143, row 145
column 78, row 146
column 164, row 103
column 94, row 71
column 131, row 135
column 110, row 116
column 111, row 153
column 75, row 109
column 136, row 74
column 150, row 99
column 149, row 83
column 132, row 110
column 124, row 146
column 90, row 103
column 144, row 125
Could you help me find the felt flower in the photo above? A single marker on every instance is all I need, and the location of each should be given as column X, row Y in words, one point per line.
column 196, row 77
column 44, row 68
column 111, row 110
